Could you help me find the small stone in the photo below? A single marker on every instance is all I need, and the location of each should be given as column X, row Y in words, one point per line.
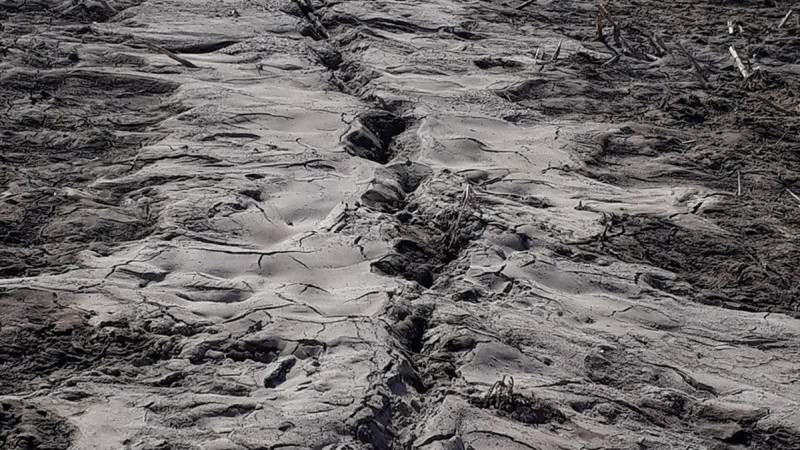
column 460, row 343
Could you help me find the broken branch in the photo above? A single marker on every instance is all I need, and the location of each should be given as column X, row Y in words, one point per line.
column 169, row 54
column 659, row 43
column 525, row 4
column 739, row 183
column 785, row 18
column 698, row 70
column 607, row 15
column 558, row 50
column 739, row 64
column 793, row 195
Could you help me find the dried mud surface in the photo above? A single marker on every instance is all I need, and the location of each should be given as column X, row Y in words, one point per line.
column 399, row 225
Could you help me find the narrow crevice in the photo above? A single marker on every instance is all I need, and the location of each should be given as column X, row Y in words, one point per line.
column 371, row 135
column 433, row 216
column 202, row 47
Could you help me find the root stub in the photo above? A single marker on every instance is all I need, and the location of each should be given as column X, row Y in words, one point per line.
column 520, row 407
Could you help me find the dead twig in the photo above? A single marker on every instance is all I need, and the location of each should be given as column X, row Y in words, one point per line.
column 739, row 184
column 558, row 51
column 462, row 213
column 108, row 7
column 169, row 54
column 500, row 394
column 526, row 4
column 793, row 195
column 659, row 43
column 739, row 64
column 611, row 60
column 785, row 18
column 698, row 70
column 607, row 15
column 599, row 25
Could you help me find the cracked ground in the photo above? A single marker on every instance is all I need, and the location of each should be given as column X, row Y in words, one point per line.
column 432, row 225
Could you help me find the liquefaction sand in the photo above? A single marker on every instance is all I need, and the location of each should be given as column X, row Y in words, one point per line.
column 398, row 224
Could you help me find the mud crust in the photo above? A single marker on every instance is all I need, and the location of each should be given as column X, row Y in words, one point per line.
column 364, row 257
column 64, row 124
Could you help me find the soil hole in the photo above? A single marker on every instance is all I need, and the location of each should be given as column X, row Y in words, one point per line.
column 371, row 135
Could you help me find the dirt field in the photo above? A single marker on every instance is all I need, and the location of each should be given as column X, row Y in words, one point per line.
column 399, row 224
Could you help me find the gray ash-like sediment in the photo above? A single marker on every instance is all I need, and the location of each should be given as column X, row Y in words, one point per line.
column 398, row 225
